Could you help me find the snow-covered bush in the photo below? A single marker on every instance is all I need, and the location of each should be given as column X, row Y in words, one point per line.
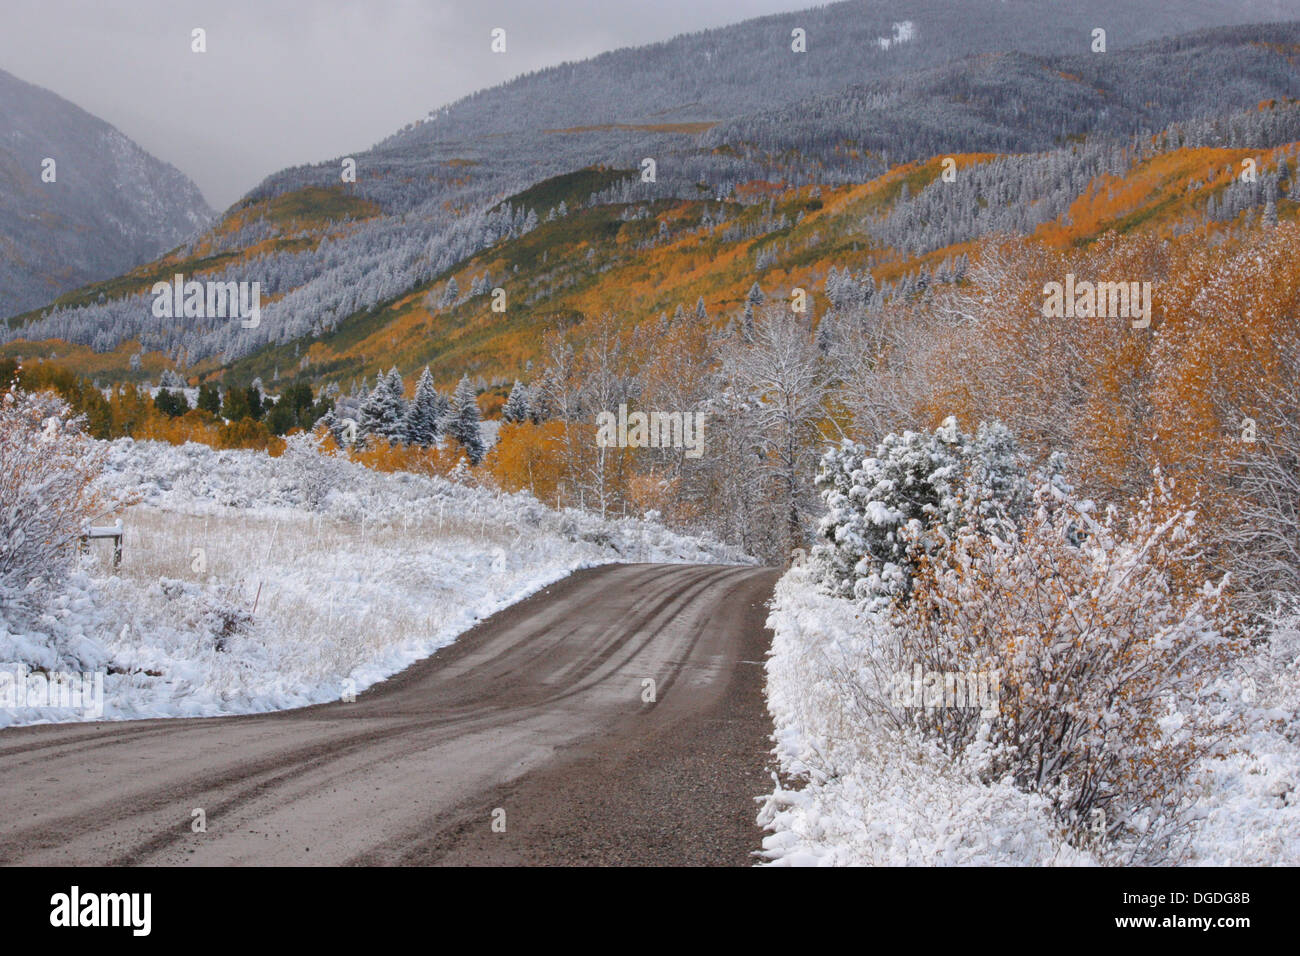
column 47, row 466
column 883, row 511
column 856, row 787
column 307, row 470
column 224, row 615
column 1107, row 650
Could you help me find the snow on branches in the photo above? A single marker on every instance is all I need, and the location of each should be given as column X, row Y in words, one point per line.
column 1107, row 647
column 47, row 467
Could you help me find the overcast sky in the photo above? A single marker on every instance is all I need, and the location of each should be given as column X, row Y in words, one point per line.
column 293, row 81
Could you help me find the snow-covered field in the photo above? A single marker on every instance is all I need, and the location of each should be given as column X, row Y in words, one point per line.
column 251, row 583
column 864, row 793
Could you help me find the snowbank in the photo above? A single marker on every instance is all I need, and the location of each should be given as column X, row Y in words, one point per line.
column 865, row 793
column 871, row 795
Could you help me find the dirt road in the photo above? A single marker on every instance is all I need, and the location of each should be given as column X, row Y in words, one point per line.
column 528, row 741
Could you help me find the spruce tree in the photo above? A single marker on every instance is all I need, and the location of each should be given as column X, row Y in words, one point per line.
column 450, row 294
column 209, row 399
column 383, row 411
column 515, row 409
column 463, row 424
column 424, row 418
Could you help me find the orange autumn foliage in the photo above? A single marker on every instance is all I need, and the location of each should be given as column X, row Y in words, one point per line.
column 525, row 458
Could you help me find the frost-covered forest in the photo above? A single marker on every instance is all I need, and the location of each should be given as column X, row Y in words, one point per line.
column 1081, row 534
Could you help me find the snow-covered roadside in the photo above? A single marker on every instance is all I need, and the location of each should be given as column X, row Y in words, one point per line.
column 354, row 575
column 1249, row 803
column 870, row 795
column 864, row 793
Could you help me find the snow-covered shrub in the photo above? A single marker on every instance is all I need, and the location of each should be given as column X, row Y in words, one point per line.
column 307, row 470
column 216, row 611
column 224, row 615
column 857, row 788
column 1107, row 649
column 880, row 508
column 47, row 466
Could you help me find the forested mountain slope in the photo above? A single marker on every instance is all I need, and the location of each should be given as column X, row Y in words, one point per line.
column 717, row 111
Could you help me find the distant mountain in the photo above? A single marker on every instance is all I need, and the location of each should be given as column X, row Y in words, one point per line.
column 615, row 106
column 1017, row 102
column 881, row 81
column 110, row 207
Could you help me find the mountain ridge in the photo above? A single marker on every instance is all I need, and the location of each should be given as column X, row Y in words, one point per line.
column 426, row 201
column 111, row 205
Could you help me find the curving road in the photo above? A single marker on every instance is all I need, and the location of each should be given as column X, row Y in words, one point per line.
column 534, row 720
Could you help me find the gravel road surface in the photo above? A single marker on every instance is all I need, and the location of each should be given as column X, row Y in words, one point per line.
column 528, row 741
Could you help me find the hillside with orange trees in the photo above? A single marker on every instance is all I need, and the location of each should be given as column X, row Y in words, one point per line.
column 640, row 260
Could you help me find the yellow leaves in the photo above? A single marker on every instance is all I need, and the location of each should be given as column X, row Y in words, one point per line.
column 526, row 458
column 247, row 433
column 382, row 455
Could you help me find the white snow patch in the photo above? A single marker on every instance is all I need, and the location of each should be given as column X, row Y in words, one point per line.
column 904, row 32
column 868, row 794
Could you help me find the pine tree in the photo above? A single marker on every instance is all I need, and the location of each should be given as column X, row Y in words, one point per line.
column 383, row 411
column 1269, row 217
column 463, row 424
column 515, row 409
column 170, row 379
column 753, row 300
column 825, row 335
column 450, row 294
column 209, row 399
column 424, row 417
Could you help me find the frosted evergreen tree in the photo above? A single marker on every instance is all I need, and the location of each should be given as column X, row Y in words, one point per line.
column 464, row 421
column 701, row 313
column 752, row 301
column 450, row 294
column 170, row 379
column 825, row 335
column 424, row 417
column 383, row 411
column 867, row 287
column 929, row 483
column 1269, row 217
column 515, row 409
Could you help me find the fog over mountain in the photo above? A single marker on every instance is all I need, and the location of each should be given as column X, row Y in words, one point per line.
column 102, row 207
